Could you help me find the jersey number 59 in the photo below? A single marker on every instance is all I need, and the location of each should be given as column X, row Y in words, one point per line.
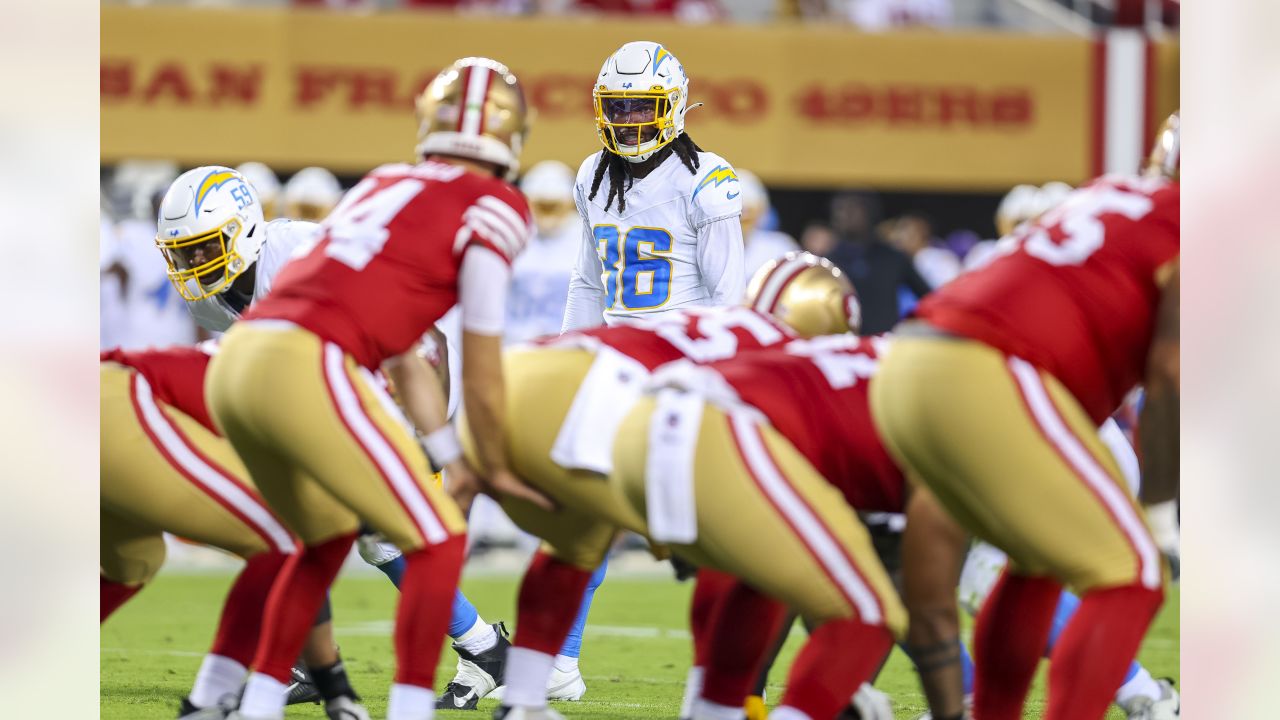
column 634, row 271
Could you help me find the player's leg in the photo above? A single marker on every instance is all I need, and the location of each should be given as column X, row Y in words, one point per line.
column 129, row 556
column 997, row 441
column 566, row 678
column 162, row 470
column 262, row 387
column 765, row 516
column 541, row 388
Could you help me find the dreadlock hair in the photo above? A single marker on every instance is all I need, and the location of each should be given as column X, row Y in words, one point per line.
column 620, row 177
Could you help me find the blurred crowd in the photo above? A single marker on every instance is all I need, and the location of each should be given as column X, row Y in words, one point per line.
column 892, row 262
column 866, row 15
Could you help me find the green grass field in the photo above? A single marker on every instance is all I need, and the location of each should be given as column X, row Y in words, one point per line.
column 635, row 653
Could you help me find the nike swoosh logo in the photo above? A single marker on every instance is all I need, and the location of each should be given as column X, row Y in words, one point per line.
column 732, row 195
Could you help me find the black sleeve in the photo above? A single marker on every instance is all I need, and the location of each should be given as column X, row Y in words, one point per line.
column 912, row 278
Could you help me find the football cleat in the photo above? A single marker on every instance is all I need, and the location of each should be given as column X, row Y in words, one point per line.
column 506, row 712
column 1167, row 707
column 566, row 685
column 478, row 674
column 301, row 690
column 345, row 708
column 871, row 704
column 187, row 711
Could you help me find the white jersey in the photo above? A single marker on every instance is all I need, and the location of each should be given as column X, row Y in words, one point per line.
column 763, row 246
column 285, row 240
column 153, row 313
column 540, row 284
column 678, row 243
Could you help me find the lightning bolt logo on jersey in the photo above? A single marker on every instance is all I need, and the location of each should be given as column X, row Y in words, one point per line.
column 649, row 253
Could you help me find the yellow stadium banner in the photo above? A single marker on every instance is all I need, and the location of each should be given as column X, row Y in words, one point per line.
column 799, row 105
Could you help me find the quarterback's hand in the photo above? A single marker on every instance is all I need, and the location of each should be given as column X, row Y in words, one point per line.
column 462, row 484
column 504, row 483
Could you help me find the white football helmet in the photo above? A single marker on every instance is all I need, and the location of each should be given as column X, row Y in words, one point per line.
column 210, row 228
column 310, row 194
column 640, row 100
column 549, row 188
column 264, row 181
column 755, row 200
column 1016, row 208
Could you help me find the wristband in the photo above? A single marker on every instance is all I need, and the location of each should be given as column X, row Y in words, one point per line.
column 442, row 445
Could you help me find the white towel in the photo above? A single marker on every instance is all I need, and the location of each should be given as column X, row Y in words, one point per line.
column 611, row 388
column 668, row 475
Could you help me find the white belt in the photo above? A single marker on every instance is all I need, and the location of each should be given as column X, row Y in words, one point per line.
column 610, row 389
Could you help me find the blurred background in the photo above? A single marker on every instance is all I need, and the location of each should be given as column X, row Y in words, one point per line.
column 858, row 125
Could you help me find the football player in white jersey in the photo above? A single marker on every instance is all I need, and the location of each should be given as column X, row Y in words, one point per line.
column 540, row 274
column 760, row 245
column 661, row 214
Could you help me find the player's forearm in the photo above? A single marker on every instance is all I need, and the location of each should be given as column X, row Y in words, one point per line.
column 933, row 549
column 483, row 394
column 720, row 260
column 1158, row 438
column 418, row 390
column 584, row 307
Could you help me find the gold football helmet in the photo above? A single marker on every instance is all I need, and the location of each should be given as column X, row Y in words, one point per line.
column 1166, row 156
column 807, row 293
column 474, row 109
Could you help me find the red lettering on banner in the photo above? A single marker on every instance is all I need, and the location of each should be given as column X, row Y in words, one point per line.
column 957, row 105
column 313, row 84
column 739, row 101
column 558, row 96
column 235, row 85
column 921, row 106
column 169, row 82
column 115, row 79
column 905, row 105
column 1012, row 107
column 375, row 88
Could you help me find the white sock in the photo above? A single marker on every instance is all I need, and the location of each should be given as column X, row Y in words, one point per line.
column 410, row 702
column 1141, row 684
column 707, row 710
column 264, row 698
column 786, row 712
column 566, row 664
column 218, row 677
column 479, row 638
column 692, row 689
column 526, row 677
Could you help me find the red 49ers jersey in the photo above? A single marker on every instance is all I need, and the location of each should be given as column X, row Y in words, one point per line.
column 814, row 392
column 1076, row 292
column 175, row 374
column 700, row 335
column 386, row 266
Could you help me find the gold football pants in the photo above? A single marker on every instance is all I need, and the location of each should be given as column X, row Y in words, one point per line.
column 162, row 471
column 540, row 387
column 766, row 516
column 1015, row 459
column 322, row 440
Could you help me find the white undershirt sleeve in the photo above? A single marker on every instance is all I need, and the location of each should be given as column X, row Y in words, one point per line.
column 720, row 260
column 585, row 305
column 483, row 279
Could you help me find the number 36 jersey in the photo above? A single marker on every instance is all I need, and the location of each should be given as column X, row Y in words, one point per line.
column 1075, row 292
column 387, row 263
column 677, row 244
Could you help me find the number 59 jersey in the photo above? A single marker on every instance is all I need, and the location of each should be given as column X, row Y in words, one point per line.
column 387, row 262
column 1075, row 292
column 677, row 244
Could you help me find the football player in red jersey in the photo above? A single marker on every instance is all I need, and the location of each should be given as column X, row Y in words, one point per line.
column 164, row 468
column 292, row 387
column 993, row 393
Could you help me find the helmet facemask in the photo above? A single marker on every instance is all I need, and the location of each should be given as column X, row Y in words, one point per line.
column 635, row 124
column 204, row 265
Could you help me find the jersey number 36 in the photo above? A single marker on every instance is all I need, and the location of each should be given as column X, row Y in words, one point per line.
column 634, row 271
